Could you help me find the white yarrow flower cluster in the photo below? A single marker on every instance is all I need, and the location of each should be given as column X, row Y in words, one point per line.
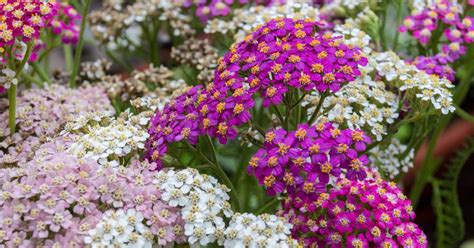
column 352, row 35
column 203, row 202
column 248, row 230
column 107, row 139
column 429, row 89
column 120, row 229
column 363, row 104
column 247, row 19
column 392, row 160
column 347, row 4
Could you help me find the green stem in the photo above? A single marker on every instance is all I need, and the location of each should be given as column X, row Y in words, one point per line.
column 80, row 45
column 435, row 38
column 32, row 79
column 153, row 43
column 29, row 50
column 46, row 52
column 254, row 141
column 213, row 149
column 267, row 206
column 12, row 108
column 118, row 61
column 259, row 129
column 280, row 116
column 318, row 107
column 287, row 119
column 463, row 114
column 430, row 165
column 12, row 91
column 399, row 21
column 221, row 174
column 382, row 28
column 392, row 131
column 41, row 73
column 68, row 57
column 297, row 103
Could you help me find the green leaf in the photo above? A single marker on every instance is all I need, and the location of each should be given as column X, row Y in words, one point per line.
column 450, row 223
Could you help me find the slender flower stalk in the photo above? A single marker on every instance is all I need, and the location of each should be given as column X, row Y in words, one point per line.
column 80, row 45
column 400, row 6
column 41, row 73
column 12, row 92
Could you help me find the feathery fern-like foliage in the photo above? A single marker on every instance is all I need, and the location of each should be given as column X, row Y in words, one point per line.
column 450, row 223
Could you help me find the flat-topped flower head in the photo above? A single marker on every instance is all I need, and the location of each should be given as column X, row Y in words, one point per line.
column 303, row 162
column 369, row 213
column 248, row 230
column 202, row 200
column 23, row 20
column 285, row 52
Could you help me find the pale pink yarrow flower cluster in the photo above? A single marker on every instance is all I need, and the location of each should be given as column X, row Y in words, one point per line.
column 58, row 199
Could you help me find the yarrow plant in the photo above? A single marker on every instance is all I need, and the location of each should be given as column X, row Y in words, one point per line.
column 21, row 26
column 270, row 62
column 230, row 123
column 281, row 63
column 119, row 228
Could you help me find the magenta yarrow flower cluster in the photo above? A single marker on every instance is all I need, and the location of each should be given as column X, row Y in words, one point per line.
column 23, row 20
column 437, row 65
column 356, row 213
column 281, row 55
column 57, row 199
column 458, row 30
column 286, row 52
column 66, row 23
column 302, row 162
